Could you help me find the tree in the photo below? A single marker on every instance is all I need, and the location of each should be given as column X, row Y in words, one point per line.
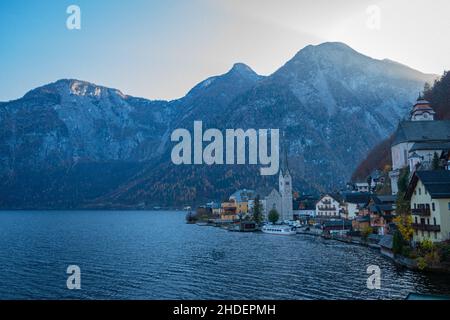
column 435, row 164
column 403, row 220
column 403, row 180
column 439, row 96
column 273, row 216
column 397, row 242
column 257, row 210
column 404, row 225
column 403, row 206
column 366, row 232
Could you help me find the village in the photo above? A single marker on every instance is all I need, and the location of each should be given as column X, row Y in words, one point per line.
column 402, row 210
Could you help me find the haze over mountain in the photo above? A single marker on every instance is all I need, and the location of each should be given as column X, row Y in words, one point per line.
column 73, row 144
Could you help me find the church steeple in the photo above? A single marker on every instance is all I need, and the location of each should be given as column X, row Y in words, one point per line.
column 284, row 162
column 285, row 185
column 422, row 110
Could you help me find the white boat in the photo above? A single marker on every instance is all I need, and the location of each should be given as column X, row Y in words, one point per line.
column 279, row 229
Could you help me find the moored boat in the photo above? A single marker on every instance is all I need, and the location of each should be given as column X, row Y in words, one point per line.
column 279, row 229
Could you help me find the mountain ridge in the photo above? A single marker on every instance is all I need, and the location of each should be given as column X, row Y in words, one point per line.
column 72, row 128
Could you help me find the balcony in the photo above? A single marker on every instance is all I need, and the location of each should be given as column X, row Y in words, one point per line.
column 327, row 208
column 423, row 212
column 426, row 227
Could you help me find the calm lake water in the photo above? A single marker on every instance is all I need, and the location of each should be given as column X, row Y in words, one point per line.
column 155, row 255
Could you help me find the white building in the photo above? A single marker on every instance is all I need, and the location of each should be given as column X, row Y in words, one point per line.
column 328, row 207
column 285, row 187
column 416, row 141
column 362, row 187
column 305, row 212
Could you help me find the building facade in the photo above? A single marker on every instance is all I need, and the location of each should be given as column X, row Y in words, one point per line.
column 429, row 193
column 272, row 201
column 328, row 207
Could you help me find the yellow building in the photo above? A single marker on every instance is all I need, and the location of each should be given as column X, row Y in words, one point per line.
column 228, row 210
column 241, row 198
column 429, row 192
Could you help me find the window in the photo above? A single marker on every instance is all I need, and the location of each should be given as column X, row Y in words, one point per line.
column 415, row 220
column 434, row 221
column 433, row 206
column 449, row 206
column 420, row 191
column 415, row 205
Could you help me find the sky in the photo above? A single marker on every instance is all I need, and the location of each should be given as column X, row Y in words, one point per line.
column 161, row 49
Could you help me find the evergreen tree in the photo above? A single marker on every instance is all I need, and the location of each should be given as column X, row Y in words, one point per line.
column 273, row 216
column 403, row 207
column 397, row 243
column 435, row 164
column 257, row 210
column 439, row 96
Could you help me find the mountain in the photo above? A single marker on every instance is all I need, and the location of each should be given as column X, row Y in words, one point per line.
column 71, row 140
column 73, row 144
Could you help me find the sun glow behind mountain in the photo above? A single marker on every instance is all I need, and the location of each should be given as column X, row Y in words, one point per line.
column 154, row 50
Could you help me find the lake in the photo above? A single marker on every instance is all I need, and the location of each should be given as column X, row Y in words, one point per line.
column 155, row 255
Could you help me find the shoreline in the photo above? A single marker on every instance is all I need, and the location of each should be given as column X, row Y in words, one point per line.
column 399, row 260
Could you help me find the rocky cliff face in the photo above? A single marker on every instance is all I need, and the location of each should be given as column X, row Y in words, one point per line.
column 75, row 144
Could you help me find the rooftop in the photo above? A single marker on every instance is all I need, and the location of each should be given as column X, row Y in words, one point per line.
column 422, row 131
column 243, row 195
column 387, row 241
column 356, row 197
column 436, row 182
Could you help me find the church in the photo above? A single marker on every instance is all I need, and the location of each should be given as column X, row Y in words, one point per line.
column 282, row 200
column 417, row 140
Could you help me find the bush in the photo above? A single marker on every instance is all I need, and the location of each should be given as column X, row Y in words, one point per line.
column 421, row 263
column 429, row 254
column 426, row 245
column 366, row 232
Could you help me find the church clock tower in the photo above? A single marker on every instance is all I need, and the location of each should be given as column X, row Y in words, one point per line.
column 285, row 188
column 422, row 111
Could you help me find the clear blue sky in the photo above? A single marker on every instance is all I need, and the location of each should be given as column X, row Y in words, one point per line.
column 161, row 49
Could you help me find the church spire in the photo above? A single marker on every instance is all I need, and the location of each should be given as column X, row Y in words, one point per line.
column 284, row 161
